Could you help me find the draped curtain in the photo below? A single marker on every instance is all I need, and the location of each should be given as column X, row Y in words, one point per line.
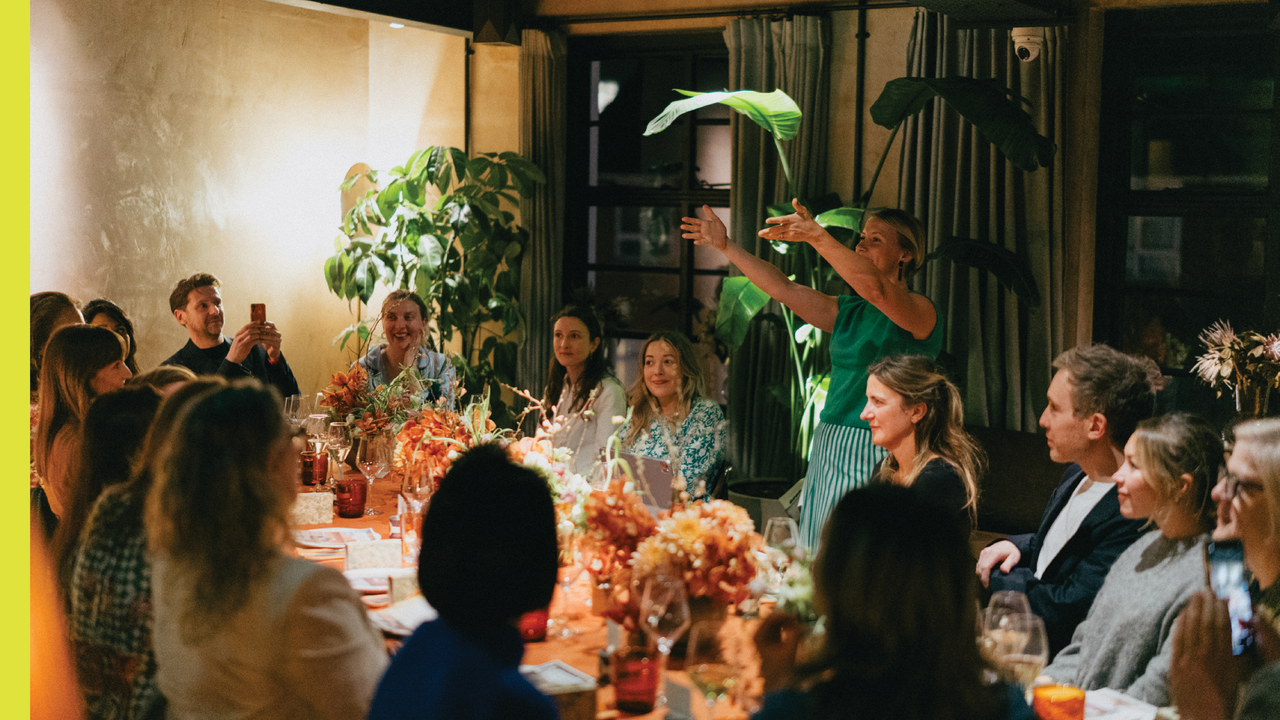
column 961, row 185
column 543, row 84
column 793, row 55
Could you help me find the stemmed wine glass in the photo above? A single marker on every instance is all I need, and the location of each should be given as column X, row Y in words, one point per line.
column 339, row 442
column 781, row 535
column 566, row 574
column 707, row 664
column 1021, row 649
column 373, row 455
column 664, row 616
column 997, row 633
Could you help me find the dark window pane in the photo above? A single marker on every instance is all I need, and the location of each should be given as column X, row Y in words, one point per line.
column 642, row 236
column 713, row 74
column 1167, row 329
column 1221, row 73
column 626, row 360
column 637, row 89
column 715, row 156
column 1219, row 255
column 646, row 302
column 1200, row 152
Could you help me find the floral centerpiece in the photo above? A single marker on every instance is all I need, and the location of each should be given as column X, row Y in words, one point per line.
column 370, row 410
column 428, row 443
column 568, row 489
column 1247, row 363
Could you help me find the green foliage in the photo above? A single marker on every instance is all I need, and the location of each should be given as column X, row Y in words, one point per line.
column 1008, row 268
column 438, row 228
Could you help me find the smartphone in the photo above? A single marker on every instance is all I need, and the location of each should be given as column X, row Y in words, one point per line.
column 1227, row 578
column 257, row 312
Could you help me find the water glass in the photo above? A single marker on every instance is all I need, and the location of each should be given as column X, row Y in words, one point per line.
column 634, row 672
column 664, row 615
column 708, row 666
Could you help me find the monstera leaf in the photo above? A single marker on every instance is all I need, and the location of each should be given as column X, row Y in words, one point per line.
column 775, row 111
column 740, row 300
column 984, row 103
column 1009, row 269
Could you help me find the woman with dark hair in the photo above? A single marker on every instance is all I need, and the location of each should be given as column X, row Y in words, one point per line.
column 883, row 318
column 113, row 431
column 110, row 590
column 1170, row 465
column 104, row 313
column 49, row 311
column 894, row 579
column 916, row 414
column 242, row 628
column 404, row 320
column 490, row 519
column 584, row 394
column 671, row 417
column 81, row 362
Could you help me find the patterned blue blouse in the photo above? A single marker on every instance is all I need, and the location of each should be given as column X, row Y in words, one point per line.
column 699, row 442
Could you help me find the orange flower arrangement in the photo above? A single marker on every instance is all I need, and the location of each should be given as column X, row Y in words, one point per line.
column 347, row 392
column 712, row 545
column 430, row 443
column 617, row 522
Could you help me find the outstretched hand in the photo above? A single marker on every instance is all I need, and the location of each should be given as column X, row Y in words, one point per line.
column 799, row 226
column 705, row 232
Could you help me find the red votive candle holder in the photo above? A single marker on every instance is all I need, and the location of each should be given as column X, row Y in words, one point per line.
column 1057, row 702
column 635, row 679
column 351, row 497
column 309, row 467
column 533, row 625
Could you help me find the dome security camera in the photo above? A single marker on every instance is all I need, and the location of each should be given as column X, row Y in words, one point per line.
column 1028, row 42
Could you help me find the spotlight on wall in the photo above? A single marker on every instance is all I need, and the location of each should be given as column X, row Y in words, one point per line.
column 1028, row 42
column 396, row 26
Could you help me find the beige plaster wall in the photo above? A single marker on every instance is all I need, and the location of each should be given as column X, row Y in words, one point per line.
column 212, row 135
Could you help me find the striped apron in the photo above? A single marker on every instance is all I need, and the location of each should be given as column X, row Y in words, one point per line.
column 840, row 458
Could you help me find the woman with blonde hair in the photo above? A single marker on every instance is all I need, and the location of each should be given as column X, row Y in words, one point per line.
column 81, row 362
column 1170, row 465
column 242, row 628
column 671, row 417
column 404, row 319
column 916, row 414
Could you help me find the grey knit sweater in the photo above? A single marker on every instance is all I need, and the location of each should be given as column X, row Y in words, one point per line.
column 1125, row 641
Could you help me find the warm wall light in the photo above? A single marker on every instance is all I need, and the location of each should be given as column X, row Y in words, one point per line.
column 397, row 26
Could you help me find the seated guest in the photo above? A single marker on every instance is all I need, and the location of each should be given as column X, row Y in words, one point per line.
column 165, row 378
column 1095, row 400
column 404, row 322
column 49, row 311
column 916, row 414
column 1170, row 465
column 580, row 388
column 196, row 302
column 110, row 439
column 489, row 556
column 893, row 579
column 81, row 362
column 104, row 313
column 110, row 592
column 242, row 628
column 1205, row 675
column 671, row 417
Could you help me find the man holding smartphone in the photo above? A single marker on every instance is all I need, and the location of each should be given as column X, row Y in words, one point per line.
column 254, row 351
column 1096, row 399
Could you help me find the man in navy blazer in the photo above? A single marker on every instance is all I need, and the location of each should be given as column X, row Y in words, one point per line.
column 1096, row 399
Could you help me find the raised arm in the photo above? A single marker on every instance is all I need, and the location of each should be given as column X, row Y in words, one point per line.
column 816, row 308
column 877, row 285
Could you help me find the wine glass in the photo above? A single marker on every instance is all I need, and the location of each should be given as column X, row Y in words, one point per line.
column 780, row 535
column 664, row 616
column 339, row 441
column 566, row 575
column 374, row 458
column 1022, row 650
column 707, row 664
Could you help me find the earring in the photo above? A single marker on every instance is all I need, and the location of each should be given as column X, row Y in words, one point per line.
column 900, row 264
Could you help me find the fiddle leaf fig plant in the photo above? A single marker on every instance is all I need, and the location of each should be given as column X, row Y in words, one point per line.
column 438, row 228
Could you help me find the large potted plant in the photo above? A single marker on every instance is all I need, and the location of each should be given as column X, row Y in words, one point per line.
column 993, row 110
column 438, row 228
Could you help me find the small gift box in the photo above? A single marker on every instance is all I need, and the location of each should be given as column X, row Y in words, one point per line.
column 313, row 508
column 372, row 554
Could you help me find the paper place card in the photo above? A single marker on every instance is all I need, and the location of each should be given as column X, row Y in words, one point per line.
column 404, row 582
column 573, row 691
column 404, row 617
column 313, row 508
column 372, row 554
column 678, row 701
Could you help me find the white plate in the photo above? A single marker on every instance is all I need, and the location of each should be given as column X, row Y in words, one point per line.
column 334, row 538
column 369, row 580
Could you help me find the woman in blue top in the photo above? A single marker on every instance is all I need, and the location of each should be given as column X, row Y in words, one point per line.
column 404, row 321
column 885, row 318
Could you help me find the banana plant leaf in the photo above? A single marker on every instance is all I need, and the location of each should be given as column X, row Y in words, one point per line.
column 740, row 300
column 983, row 102
column 1009, row 269
column 775, row 111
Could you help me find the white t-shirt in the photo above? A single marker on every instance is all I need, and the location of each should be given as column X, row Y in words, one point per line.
column 1083, row 498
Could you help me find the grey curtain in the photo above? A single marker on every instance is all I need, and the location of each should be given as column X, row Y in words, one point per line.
column 793, row 55
column 542, row 140
column 959, row 184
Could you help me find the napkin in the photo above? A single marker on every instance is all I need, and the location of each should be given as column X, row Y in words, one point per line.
column 372, row 554
column 313, row 508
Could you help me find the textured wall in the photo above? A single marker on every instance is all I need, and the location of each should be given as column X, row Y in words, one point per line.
column 205, row 135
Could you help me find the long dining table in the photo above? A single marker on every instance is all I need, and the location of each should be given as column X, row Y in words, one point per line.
column 581, row 651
